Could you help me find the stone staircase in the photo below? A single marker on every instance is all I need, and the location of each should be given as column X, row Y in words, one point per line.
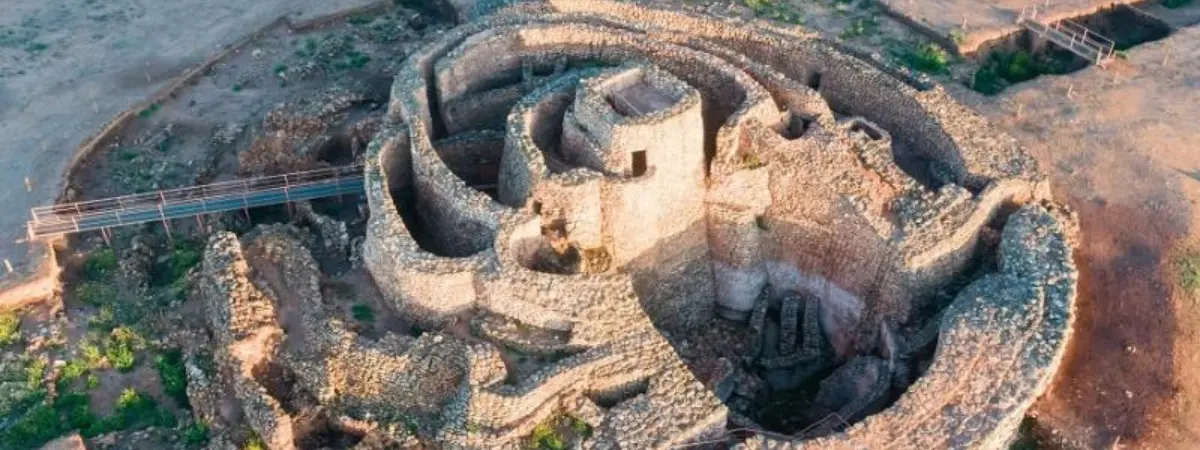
column 1072, row 36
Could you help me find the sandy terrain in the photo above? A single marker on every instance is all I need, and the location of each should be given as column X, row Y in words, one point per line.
column 68, row 66
column 1122, row 151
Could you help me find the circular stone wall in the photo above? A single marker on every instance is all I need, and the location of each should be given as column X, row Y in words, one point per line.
column 710, row 216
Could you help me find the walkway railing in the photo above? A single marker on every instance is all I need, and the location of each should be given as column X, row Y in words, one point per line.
column 1070, row 35
column 164, row 205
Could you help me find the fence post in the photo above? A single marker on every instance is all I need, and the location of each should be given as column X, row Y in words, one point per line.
column 245, row 204
column 166, row 224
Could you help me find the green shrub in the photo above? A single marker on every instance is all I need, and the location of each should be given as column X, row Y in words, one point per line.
column 105, row 318
column 94, row 293
column 35, row 372
column 195, row 435
column 93, row 357
column 1005, row 68
column 254, row 443
column 35, row 427
column 149, row 111
column 120, row 348
column 74, row 409
column 352, row 59
column 185, row 254
column 37, row 420
column 137, row 410
column 10, row 328
column 929, row 58
column 957, row 36
column 72, row 371
column 1176, row 3
column 363, row 313
column 581, row 428
column 545, row 437
column 100, row 264
column 173, row 375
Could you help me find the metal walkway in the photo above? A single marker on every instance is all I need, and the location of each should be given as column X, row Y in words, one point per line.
column 1072, row 36
column 162, row 206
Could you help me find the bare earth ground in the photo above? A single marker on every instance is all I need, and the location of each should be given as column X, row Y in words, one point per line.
column 68, row 66
column 1122, row 151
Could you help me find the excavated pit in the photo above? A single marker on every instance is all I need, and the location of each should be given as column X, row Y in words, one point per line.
column 1022, row 56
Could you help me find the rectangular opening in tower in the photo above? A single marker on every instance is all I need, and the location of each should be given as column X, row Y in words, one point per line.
column 814, row 81
column 639, row 163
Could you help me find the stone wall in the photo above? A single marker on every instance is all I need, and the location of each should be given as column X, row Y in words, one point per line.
column 775, row 162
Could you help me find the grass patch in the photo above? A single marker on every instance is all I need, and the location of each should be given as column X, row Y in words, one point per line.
column 1176, row 3
column 173, row 376
column 352, row 59
column 775, row 10
column 10, row 328
column 1188, row 270
column 860, row 27
column 360, row 19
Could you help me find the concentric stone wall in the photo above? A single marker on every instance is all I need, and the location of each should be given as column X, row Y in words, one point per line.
column 661, row 168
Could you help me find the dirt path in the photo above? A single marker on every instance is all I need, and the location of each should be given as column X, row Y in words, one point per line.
column 1121, row 151
column 68, row 66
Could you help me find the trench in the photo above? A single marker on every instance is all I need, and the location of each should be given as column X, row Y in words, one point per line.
column 1021, row 56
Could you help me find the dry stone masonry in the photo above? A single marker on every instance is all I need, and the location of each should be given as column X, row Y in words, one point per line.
column 670, row 226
